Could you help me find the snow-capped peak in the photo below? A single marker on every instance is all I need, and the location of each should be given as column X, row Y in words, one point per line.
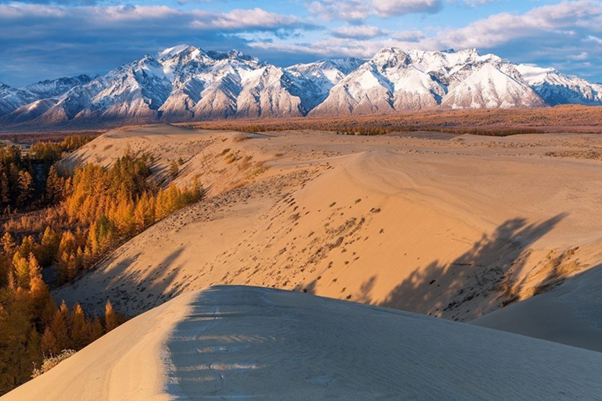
column 173, row 51
column 535, row 75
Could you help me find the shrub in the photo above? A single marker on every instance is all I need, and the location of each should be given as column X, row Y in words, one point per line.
column 231, row 158
column 51, row 362
column 240, row 137
column 174, row 169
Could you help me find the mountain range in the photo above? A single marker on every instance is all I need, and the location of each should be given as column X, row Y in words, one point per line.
column 185, row 83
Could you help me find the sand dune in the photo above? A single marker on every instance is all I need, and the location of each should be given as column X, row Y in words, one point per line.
column 247, row 342
column 570, row 314
column 454, row 227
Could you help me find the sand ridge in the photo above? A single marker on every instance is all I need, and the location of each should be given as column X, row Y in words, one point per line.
column 234, row 342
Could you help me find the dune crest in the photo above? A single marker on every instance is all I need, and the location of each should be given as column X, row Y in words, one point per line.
column 247, row 342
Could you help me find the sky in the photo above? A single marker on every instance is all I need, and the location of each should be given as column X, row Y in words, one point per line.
column 46, row 39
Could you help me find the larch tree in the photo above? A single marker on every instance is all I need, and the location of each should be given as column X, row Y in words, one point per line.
column 111, row 319
column 25, row 187
column 80, row 329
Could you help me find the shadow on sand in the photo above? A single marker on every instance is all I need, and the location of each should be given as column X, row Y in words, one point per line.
column 451, row 289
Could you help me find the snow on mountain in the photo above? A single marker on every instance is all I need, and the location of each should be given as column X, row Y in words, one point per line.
column 56, row 87
column 184, row 83
column 269, row 92
column 28, row 112
column 326, row 71
column 12, row 98
column 488, row 87
column 389, row 81
column 557, row 88
column 33, row 100
column 316, row 79
column 396, row 80
column 222, row 84
column 173, row 51
column 133, row 92
column 364, row 91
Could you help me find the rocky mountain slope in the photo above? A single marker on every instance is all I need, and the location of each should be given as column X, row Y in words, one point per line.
column 185, row 83
column 398, row 80
column 56, row 87
column 12, row 98
column 36, row 96
column 557, row 88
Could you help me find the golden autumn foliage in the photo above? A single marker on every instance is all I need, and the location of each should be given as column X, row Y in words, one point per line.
column 96, row 209
column 85, row 215
column 112, row 204
column 496, row 122
column 32, row 328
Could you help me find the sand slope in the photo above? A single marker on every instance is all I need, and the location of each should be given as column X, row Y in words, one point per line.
column 454, row 227
column 248, row 342
column 570, row 314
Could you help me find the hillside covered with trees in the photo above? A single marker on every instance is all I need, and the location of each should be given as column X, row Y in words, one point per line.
column 57, row 223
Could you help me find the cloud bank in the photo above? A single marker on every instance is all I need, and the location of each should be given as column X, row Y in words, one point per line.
column 69, row 37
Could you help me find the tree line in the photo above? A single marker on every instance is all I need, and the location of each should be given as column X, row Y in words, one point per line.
column 33, row 328
column 23, row 174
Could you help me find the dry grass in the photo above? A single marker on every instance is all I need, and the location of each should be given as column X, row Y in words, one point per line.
column 51, row 362
column 45, row 136
column 567, row 118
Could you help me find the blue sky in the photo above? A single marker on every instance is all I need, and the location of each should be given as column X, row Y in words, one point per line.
column 42, row 39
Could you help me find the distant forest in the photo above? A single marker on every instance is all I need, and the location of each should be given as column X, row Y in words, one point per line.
column 491, row 122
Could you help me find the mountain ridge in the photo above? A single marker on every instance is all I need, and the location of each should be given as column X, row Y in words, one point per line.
column 186, row 83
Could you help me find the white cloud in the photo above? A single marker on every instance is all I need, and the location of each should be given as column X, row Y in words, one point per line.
column 567, row 35
column 565, row 19
column 351, row 10
column 473, row 3
column 358, row 10
column 359, row 32
column 256, row 18
column 579, row 57
column 408, row 36
column 391, row 8
column 49, row 41
column 337, row 47
column 91, row 17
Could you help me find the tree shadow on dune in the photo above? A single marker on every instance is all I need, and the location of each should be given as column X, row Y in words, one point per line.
column 132, row 291
column 480, row 279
